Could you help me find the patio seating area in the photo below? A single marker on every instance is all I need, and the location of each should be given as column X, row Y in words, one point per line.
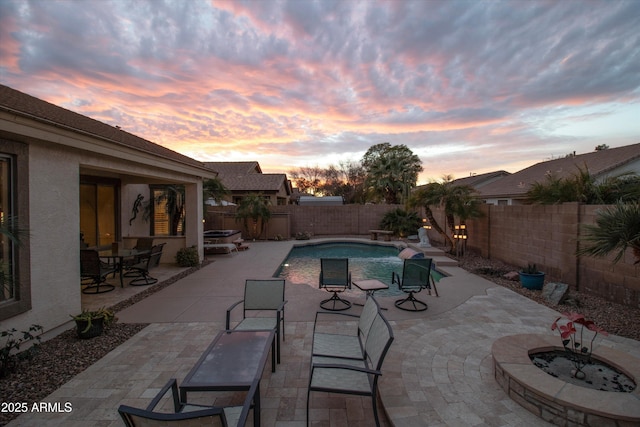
column 437, row 372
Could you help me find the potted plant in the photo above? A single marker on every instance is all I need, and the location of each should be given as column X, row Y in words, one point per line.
column 531, row 277
column 91, row 323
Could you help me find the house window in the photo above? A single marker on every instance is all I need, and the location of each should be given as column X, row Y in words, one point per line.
column 167, row 216
column 7, row 245
column 15, row 277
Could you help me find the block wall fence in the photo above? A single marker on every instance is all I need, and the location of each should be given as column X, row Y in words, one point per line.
column 545, row 235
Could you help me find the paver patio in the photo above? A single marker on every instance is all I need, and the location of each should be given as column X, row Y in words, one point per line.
column 438, row 373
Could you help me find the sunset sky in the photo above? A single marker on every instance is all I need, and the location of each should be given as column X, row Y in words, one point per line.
column 469, row 86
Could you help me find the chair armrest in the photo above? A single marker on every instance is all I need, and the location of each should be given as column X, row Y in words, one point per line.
column 345, row 367
column 334, row 313
column 229, row 312
column 173, row 385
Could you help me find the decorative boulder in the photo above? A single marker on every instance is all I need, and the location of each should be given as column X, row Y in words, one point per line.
column 555, row 293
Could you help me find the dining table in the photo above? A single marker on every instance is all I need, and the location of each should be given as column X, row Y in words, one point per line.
column 234, row 360
column 118, row 257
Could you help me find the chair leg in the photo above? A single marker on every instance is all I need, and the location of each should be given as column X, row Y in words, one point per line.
column 143, row 280
column 335, row 299
column 411, row 299
column 94, row 287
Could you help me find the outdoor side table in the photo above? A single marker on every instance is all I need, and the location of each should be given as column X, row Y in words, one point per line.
column 234, row 360
column 370, row 285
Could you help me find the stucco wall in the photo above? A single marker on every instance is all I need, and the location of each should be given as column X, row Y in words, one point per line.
column 54, row 238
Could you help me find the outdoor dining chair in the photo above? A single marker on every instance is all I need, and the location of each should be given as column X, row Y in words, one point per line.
column 260, row 296
column 141, row 269
column 94, row 272
column 185, row 413
column 416, row 276
column 335, row 277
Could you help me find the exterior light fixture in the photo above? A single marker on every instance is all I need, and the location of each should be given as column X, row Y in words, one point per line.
column 425, row 224
column 460, row 232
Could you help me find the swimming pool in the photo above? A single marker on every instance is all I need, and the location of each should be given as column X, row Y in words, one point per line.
column 366, row 261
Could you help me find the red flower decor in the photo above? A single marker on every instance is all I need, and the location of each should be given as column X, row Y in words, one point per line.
column 573, row 343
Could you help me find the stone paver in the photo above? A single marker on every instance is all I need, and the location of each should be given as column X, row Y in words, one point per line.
column 438, row 372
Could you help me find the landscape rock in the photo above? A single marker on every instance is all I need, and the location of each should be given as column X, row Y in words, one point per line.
column 555, row 292
column 512, row 275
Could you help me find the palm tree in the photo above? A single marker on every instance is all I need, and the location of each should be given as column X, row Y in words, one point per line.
column 254, row 207
column 391, row 171
column 428, row 196
column 457, row 200
column 616, row 229
column 583, row 187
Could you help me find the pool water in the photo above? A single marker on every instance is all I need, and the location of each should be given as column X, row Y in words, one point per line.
column 366, row 261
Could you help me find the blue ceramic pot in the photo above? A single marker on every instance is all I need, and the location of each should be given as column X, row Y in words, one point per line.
column 532, row 281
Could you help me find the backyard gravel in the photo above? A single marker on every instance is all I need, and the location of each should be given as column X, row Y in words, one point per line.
column 61, row 358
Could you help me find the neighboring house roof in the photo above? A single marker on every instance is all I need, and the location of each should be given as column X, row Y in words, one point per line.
column 21, row 104
column 256, row 182
column 480, row 180
column 598, row 163
column 234, row 168
column 245, row 177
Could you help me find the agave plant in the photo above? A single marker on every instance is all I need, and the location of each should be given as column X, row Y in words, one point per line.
column 616, row 229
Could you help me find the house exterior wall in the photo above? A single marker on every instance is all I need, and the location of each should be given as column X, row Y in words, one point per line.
column 54, row 214
column 54, row 237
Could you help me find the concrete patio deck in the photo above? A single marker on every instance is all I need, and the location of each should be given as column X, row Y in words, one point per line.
column 438, row 373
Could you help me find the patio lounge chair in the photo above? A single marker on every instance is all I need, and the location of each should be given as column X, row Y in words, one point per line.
column 93, row 272
column 185, row 413
column 349, row 376
column 344, row 345
column 141, row 269
column 335, row 277
column 416, row 276
column 262, row 295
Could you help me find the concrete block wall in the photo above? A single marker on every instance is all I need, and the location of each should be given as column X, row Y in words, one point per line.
column 548, row 236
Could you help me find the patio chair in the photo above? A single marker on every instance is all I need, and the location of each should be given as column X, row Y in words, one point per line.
column 93, row 272
column 142, row 244
column 335, row 277
column 416, row 276
column 349, row 376
column 141, row 269
column 342, row 344
column 185, row 413
column 260, row 296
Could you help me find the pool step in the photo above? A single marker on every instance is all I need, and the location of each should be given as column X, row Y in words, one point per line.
column 438, row 255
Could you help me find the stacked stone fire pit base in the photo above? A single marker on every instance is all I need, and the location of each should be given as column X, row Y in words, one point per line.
column 559, row 402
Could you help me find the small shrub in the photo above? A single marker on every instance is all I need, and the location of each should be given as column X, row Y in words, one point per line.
column 188, row 257
column 531, row 269
column 9, row 355
column 303, row 235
